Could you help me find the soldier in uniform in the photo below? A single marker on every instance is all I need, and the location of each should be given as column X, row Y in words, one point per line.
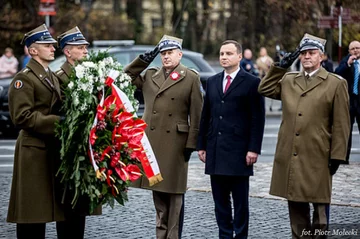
column 313, row 135
column 34, row 99
column 173, row 102
column 74, row 46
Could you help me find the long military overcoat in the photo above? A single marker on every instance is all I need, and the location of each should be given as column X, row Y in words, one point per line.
column 33, row 96
column 315, row 127
column 172, row 113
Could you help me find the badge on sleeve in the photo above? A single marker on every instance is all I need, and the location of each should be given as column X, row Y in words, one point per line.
column 18, row 84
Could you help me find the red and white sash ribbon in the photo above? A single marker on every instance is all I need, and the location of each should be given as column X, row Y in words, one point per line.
column 148, row 160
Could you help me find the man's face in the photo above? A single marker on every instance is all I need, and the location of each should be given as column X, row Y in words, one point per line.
column 8, row 54
column 45, row 52
column 311, row 59
column 229, row 56
column 171, row 58
column 76, row 52
column 247, row 54
column 354, row 49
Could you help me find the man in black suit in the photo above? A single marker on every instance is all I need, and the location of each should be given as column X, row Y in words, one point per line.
column 230, row 137
column 349, row 69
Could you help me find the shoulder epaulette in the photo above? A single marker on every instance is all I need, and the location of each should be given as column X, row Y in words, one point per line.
column 25, row 70
column 59, row 72
column 193, row 70
column 153, row 68
column 336, row 76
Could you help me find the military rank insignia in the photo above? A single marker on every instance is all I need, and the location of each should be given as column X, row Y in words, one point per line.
column 18, row 84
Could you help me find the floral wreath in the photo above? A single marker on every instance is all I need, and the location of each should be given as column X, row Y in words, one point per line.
column 101, row 137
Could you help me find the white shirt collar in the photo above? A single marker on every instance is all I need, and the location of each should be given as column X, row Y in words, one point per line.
column 232, row 75
column 311, row 73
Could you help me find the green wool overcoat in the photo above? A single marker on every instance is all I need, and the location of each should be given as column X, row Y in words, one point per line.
column 315, row 128
column 34, row 96
column 172, row 113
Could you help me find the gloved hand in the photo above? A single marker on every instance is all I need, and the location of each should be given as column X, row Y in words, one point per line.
column 187, row 154
column 149, row 56
column 333, row 166
column 289, row 58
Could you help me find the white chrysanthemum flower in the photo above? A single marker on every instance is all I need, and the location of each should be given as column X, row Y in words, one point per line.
column 89, row 64
column 76, row 101
column 80, row 71
column 71, row 85
column 83, row 107
column 101, row 73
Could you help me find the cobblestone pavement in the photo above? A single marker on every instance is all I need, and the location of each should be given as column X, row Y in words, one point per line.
column 268, row 215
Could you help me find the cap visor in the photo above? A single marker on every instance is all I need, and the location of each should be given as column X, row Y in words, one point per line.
column 79, row 42
column 45, row 41
column 168, row 48
column 305, row 48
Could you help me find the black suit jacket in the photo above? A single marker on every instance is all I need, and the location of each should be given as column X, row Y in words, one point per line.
column 348, row 74
column 231, row 124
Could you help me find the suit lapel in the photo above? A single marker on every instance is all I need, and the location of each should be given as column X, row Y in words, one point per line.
column 158, row 78
column 317, row 79
column 46, row 78
column 300, row 81
column 240, row 77
column 180, row 70
column 219, row 83
column 67, row 68
column 41, row 74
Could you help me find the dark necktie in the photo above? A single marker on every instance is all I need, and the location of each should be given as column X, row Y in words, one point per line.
column 356, row 78
column 228, row 77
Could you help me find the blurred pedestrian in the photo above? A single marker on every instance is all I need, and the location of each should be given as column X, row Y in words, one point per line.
column 34, row 98
column 74, row 46
column 349, row 68
column 173, row 102
column 8, row 64
column 247, row 63
column 24, row 59
column 327, row 63
column 312, row 137
column 263, row 63
column 230, row 138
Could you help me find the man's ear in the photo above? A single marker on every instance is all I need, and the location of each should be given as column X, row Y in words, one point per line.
column 33, row 51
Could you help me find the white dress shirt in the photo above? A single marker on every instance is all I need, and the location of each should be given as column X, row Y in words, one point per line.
column 232, row 75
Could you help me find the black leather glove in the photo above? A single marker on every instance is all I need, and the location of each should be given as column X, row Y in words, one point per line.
column 149, row 56
column 289, row 58
column 333, row 166
column 187, row 154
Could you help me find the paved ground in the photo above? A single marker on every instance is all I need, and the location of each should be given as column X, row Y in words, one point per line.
column 268, row 215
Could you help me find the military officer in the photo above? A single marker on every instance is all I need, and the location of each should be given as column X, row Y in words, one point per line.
column 173, row 102
column 74, row 46
column 312, row 138
column 34, row 99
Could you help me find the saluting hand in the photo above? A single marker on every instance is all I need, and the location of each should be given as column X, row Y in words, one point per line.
column 251, row 158
column 289, row 58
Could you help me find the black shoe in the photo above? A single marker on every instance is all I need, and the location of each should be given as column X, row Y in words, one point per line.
column 344, row 162
column 270, row 108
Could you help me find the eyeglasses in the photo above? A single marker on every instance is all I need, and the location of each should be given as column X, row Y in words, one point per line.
column 354, row 48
